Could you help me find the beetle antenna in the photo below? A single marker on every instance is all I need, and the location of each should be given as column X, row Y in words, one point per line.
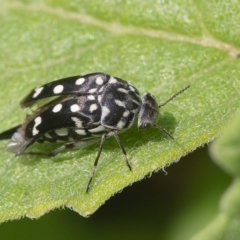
column 164, row 130
column 173, row 96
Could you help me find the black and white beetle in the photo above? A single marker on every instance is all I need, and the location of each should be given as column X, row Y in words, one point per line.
column 85, row 109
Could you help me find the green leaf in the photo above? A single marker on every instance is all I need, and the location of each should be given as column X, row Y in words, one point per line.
column 225, row 152
column 158, row 47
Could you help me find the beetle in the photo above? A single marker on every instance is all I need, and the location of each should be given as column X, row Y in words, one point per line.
column 85, row 109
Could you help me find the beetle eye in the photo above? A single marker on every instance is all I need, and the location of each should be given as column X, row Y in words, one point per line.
column 149, row 112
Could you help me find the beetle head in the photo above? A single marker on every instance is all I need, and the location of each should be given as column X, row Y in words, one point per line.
column 149, row 112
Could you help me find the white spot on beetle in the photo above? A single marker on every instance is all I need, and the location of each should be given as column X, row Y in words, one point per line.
column 101, row 89
column 126, row 113
column 37, row 92
column 99, row 81
column 80, row 132
column 77, row 121
column 112, row 80
column 105, row 112
column 74, row 108
column 121, row 124
column 122, row 90
column 99, row 98
column 93, row 90
column 138, row 103
column 37, row 121
column 61, row 132
column 132, row 88
column 80, row 81
column 90, row 97
column 58, row 89
column 93, row 107
column 47, row 135
column 119, row 103
column 57, row 108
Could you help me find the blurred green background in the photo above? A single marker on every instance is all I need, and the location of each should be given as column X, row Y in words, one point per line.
column 170, row 206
